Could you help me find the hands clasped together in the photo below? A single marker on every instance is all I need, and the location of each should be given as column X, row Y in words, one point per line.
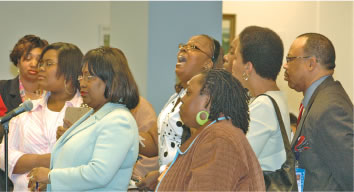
column 38, row 179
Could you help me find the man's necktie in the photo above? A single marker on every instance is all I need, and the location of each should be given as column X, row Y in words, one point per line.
column 301, row 108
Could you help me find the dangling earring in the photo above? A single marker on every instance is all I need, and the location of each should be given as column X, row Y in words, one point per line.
column 200, row 121
column 245, row 76
column 66, row 90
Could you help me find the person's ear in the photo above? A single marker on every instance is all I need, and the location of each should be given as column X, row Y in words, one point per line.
column 248, row 67
column 206, row 102
column 312, row 64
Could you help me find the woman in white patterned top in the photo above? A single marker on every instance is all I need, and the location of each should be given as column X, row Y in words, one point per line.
column 200, row 53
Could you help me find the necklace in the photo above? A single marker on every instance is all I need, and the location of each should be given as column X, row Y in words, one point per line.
column 25, row 95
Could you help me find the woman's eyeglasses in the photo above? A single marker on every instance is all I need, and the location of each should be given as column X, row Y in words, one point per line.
column 86, row 77
column 46, row 63
column 191, row 47
column 290, row 59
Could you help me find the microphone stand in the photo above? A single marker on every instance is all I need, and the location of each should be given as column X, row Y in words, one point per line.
column 6, row 132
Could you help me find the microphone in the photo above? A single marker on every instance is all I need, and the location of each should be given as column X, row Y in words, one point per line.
column 25, row 106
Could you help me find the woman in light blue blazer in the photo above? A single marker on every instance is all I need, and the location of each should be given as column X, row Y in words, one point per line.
column 98, row 152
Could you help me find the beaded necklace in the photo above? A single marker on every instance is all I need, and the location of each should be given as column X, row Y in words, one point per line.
column 37, row 94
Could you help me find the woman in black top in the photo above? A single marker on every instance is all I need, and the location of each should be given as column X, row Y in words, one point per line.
column 24, row 56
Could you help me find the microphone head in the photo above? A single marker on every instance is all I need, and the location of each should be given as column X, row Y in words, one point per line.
column 27, row 105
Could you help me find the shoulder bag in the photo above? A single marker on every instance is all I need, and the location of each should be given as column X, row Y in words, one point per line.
column 283, row 179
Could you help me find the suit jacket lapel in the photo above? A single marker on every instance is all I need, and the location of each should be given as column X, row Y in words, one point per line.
column 88, row 120
column 84, row 122
column 75, row 128
column 307, row 109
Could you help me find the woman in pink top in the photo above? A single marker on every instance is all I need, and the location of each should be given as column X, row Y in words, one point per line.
column 33, row 134
column 24, row 55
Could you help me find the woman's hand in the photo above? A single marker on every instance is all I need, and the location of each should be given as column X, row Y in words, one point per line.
column 40, row 175
column 39, row 187
column 149, row 182
column 61, row 129
column 67, row 124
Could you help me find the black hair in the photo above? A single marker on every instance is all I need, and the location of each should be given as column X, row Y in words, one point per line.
column 111, row 66
column 24, row 46
column 69, row 61
column 218, row 52
column 217, row 58
column 227, row 97
column 320, row 46
column 264, row 49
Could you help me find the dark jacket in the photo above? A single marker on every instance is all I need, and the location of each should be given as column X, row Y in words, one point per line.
column 327, row 126
column 9, row 91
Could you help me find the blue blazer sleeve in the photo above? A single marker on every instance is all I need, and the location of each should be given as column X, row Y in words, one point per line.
column 113, row 138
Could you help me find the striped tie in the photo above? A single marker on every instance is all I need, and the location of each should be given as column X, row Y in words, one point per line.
column 301, row 108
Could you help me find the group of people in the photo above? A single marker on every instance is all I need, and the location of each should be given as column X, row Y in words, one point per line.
column 218, row 132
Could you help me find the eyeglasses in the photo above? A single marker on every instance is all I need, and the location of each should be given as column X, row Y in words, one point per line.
column 46, row 63
column 86, row 77
column 191, row 47
column 289, row 59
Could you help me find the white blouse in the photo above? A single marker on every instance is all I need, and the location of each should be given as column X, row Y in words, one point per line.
column 264, row 133
column 169, row 134
column 33, row 132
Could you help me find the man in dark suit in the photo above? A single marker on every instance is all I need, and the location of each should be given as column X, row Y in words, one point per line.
column 323, row 142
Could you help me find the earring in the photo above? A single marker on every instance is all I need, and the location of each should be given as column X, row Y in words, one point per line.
column 244, row 76
column 66, row 90
column 200, row 121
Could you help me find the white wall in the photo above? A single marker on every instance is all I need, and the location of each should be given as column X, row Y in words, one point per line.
column 129, row 32
column 336, row 22
column 73, row 22
column 290, row 19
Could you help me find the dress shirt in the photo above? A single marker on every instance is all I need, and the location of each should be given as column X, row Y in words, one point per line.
column 309, row 91
column 29, row 134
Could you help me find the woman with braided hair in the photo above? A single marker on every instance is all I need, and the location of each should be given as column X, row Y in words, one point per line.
column 217, row 156
column 200, row 53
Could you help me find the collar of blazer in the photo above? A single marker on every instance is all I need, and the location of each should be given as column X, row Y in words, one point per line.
column 87, row 120
column 14, row 87
column 307, row 109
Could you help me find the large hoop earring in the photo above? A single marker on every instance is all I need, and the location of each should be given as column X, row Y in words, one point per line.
column 244, row 76
column 201, row 121
column 66, row 89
